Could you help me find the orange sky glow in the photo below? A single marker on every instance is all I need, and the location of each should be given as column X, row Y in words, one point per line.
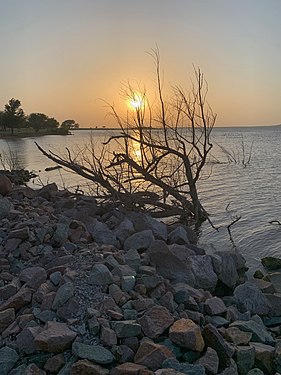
column 63, row 58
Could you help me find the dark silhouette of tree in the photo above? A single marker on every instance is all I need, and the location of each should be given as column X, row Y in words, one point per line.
column 51, row 123
column 14, row 116
column 69, row 124
column 37, row 121
column 2, row 121
column 155, row 161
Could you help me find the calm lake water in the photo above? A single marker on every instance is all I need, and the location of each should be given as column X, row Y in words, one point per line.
column 230, row 190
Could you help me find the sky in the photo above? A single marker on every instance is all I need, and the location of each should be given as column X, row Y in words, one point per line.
column 65, row 58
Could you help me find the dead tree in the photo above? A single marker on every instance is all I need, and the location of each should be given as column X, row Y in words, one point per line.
column 158, row 154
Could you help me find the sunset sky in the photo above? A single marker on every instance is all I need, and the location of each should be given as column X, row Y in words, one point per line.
column 60, row 57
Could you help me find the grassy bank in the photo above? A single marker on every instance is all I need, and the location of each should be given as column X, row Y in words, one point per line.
column 23, row 133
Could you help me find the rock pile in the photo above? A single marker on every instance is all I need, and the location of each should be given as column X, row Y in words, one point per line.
column 87, row 291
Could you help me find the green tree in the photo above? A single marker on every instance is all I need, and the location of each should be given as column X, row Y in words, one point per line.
column 69, row 124
column 51, row 123
column 14, row 116
column 2, row 121
column 37, row 121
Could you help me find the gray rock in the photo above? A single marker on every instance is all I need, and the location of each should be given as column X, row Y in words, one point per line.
column 228, row 275
column 139, row 241
column 128, row 283
column 155, row 321
column 182, row 252
column 8, row 358
column 274, row 301
column 100, row 275
column 183, row 368
column 214, row 306
column 6, row 318
column 231, row 369
column 55, row 337
column 61, row 234
column 202, row 268
column 257, row 328
column 264, row 356
column 277, row 357
column 126, row 328
column 64, row 293
column 95, row 353
column 20, row 370
column 133, row 259
column 142, row 222
column 210, row 361
column 124, row 230
column 256, row 371
column 275, row 279
column 178, row 236
column 271, row 263
column 25, row 340
column 168, row 265
column 215, row 340
column 102, row 234
column 5, row 207
column 245, row 358
column 56, row 277
column 249, row 297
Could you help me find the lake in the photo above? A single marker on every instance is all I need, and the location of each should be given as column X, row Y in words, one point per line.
column 227, row 190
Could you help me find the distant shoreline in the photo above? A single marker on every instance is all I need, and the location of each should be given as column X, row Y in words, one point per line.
column 28, row 134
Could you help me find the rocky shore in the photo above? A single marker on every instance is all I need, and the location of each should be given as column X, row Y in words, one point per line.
column 87, row 291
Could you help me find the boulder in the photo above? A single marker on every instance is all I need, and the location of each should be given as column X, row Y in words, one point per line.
column 214, row 306
column 128, row 369
column 202, row 268
column 54, row 363
column 5, row 207
column 152, row 355
column 60, row 235
column 100, row 275
column 6, row 318
column 214, row 340
column 143, row 222
column 64, row 293
column 126, row 328
column 185, row 333
column 18, row 300
column 95, row 353
column 101, row 234
column 183, row 368
column 257, row 328
column 275, row 279
column 210, row 361
column 271, row 263
column 55, row 337
column 237, row 337
column 249, row 297
column 8, row 358
column 124, row 230
column 155, row 321
column 244, row 358
column 139, row 241
column 168, row 265
column 48, row 191
column 264, row 357
column 228, row 273
column 85, row 367
column 178, row 236
column 6, row 185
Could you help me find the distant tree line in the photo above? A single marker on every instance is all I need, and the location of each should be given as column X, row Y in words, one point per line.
column 13, row 117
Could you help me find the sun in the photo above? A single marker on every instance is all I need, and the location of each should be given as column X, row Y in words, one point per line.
column 136, row 101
